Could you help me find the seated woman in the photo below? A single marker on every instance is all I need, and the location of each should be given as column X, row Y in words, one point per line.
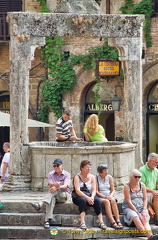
column 93, row 131
column 105, row 192
column 84, row 199
column 135, row 205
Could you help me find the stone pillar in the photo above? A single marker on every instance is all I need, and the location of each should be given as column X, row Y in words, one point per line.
column 130, row 51
column 21, row 53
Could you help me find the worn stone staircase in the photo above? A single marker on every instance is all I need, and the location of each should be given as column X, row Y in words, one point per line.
column 19, row 220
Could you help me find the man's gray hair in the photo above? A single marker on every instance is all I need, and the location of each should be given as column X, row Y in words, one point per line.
column 134, row 172
column 152, row 156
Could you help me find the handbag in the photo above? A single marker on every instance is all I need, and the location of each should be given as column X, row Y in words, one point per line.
column 83, row 189
column 150, row 210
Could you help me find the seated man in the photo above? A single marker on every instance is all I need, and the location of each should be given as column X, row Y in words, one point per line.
column 59, row 182
column 64, row 128
column 150, row 179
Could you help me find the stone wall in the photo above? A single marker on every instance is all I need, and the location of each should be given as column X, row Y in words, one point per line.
column 113, row 154
column 31, row 6
column 33, row 28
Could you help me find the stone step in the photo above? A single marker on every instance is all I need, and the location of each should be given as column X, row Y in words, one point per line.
column 69, row 220
column 60, row 208
column 65, row 220
column 38, row 232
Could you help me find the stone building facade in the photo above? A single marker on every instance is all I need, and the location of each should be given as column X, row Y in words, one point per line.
column 85, row 86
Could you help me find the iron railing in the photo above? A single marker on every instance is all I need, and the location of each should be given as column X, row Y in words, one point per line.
column 4, row 27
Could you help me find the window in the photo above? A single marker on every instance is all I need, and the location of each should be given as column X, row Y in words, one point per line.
column 155, row 7
column 7, row 6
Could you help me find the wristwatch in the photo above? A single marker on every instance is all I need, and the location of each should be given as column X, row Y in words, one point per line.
column 68, row 136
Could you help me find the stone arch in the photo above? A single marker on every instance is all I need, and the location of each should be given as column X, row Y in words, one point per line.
column 150, row 76
column 28, row 30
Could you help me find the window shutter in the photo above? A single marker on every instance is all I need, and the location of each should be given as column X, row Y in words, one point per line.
column 10, row 5
column 3, row 6
column 15, row 5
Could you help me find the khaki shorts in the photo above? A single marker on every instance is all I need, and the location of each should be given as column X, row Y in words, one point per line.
column 150, row 198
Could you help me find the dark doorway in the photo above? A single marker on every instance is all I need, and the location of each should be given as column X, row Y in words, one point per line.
column 152, row 121
column 4, row 107
column 106, row 118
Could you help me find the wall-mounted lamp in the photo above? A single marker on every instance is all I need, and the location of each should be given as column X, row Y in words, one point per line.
column 37, row 115
column 116, row 103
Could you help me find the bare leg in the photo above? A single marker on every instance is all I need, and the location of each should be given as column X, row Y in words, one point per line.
column 115, row 210
column 41, row 203
column 141, row 227
column 82, row 216
column 107, row 206
column 100, row 217
column 147, row 226
column 155, row 205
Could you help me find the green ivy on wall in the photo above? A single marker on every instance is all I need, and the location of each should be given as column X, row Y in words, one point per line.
column 61, row 74
column 104, row 52
column 43, row 5
column 143, row 7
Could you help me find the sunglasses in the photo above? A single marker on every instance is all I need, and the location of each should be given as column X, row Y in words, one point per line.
column 56, row 165
column 137, row 176
column 156, row 162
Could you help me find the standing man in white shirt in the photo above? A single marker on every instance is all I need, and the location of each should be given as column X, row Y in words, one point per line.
column 5, row 162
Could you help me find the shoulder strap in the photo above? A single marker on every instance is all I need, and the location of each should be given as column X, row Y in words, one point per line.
column 97, row 180
column 79, row 177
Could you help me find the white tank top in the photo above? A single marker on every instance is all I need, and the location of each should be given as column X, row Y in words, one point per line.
column 88, row 184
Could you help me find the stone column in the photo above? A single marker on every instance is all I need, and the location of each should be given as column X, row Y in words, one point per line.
column 21, row 53
column 130, row 51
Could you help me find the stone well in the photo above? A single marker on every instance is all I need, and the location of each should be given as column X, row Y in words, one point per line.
column 119, row 156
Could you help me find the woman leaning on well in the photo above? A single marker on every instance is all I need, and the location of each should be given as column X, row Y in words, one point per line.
column 93, row 131
column 105, row 192
column 135, row 205
column 82, row 200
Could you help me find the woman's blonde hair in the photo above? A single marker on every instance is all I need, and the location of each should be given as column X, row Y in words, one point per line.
column 92, row 124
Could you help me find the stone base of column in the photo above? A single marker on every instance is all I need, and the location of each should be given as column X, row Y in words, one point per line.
column 17, row 183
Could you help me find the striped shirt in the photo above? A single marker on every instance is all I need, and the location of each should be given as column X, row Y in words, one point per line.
column 63, row 127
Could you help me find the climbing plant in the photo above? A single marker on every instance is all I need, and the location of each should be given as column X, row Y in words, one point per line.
column 143, row 7
column 43, row 5
column 104, row 52
column 61, row 75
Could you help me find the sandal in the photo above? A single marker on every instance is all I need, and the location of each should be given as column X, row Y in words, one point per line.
column 114, row 225
column 83, row 226
column 119, row 225
column 102, row 225
column 36, row 206
column 46, row 224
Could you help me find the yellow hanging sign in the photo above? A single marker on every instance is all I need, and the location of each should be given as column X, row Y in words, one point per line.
column 108, row 68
